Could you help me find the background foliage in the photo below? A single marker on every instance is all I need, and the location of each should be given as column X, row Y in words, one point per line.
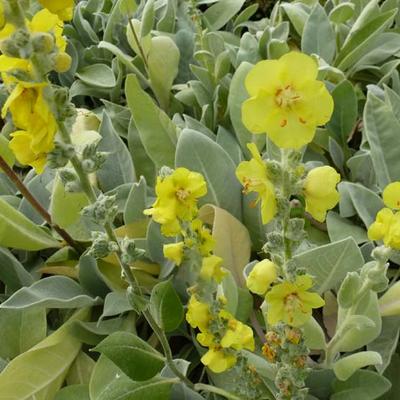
column 68, row 330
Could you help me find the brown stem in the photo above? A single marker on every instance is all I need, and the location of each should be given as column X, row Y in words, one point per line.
column 36, row 205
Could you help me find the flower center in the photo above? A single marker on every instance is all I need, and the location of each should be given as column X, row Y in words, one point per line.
column 292, row 302
column 182, row 194
column 285, row 97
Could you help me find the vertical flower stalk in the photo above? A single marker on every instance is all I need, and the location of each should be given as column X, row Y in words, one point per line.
column 287, row 107
column 217, row 330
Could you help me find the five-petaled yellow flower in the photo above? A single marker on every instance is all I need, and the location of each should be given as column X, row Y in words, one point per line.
column 63, row 8
column 291, row 302
column 253, row 175
column 261, row 277
column 176, row 201
column 320, row 191
column 286, row 102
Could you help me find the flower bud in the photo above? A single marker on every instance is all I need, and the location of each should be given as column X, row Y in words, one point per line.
column 62, row 62
column 262, row 275
column 389, row 303
column 349, row 289
column 9, row 48
column 43, row 42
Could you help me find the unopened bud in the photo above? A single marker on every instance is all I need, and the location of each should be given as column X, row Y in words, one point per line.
column 43, row 42
column 62, row 62
column 9, row 48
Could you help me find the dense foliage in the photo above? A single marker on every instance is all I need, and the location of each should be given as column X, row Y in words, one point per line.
column 199, row 199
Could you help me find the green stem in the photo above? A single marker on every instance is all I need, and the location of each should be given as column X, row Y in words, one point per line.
column 331, row 351
column 83, row 178
column 212, row 389
column 167, row 349
column 138, row 44
column 286, row 215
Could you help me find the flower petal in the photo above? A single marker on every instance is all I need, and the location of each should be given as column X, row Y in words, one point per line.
column 294, row 62
column 287, row 130
column 391, row 195
column 265, row 76
column 255, row 112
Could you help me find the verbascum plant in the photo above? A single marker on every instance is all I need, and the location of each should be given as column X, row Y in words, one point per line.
column 199, row 200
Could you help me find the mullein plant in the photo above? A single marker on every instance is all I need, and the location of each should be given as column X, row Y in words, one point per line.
column 284, row 105
column 287, row 107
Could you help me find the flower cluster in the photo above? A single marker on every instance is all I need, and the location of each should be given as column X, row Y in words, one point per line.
column 288, row 302
column 288, row 107
column 318, row 187
column 176, row 210
column 387, row 223
column 29, row 52
column 220, row 332
column 177, row 195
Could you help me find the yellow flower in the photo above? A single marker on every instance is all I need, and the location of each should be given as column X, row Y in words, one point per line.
column 35, row 122
column 177, row 196
column 45, row 21
column 218, row 360
column 320, row 191
column 391, row 195
column 380, row 228
column 387, row 228
column 261, row 277
column 42, row 22
column 174, row 252
column 63, row 8
column 21, row 146
column 198, row 314
column 291, row 302
column 287, row 102
column 206, row 339
column 253, row 175
column 238, row 336
column 205, row 241
column 211, row 268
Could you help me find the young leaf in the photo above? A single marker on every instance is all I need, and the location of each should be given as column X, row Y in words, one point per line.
column 166, row 307
column 382, row 132
column 221, row 12
column 347, row 366
column 157, row 132
column 99, row 75
column 118, row 168
column 318, row 35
